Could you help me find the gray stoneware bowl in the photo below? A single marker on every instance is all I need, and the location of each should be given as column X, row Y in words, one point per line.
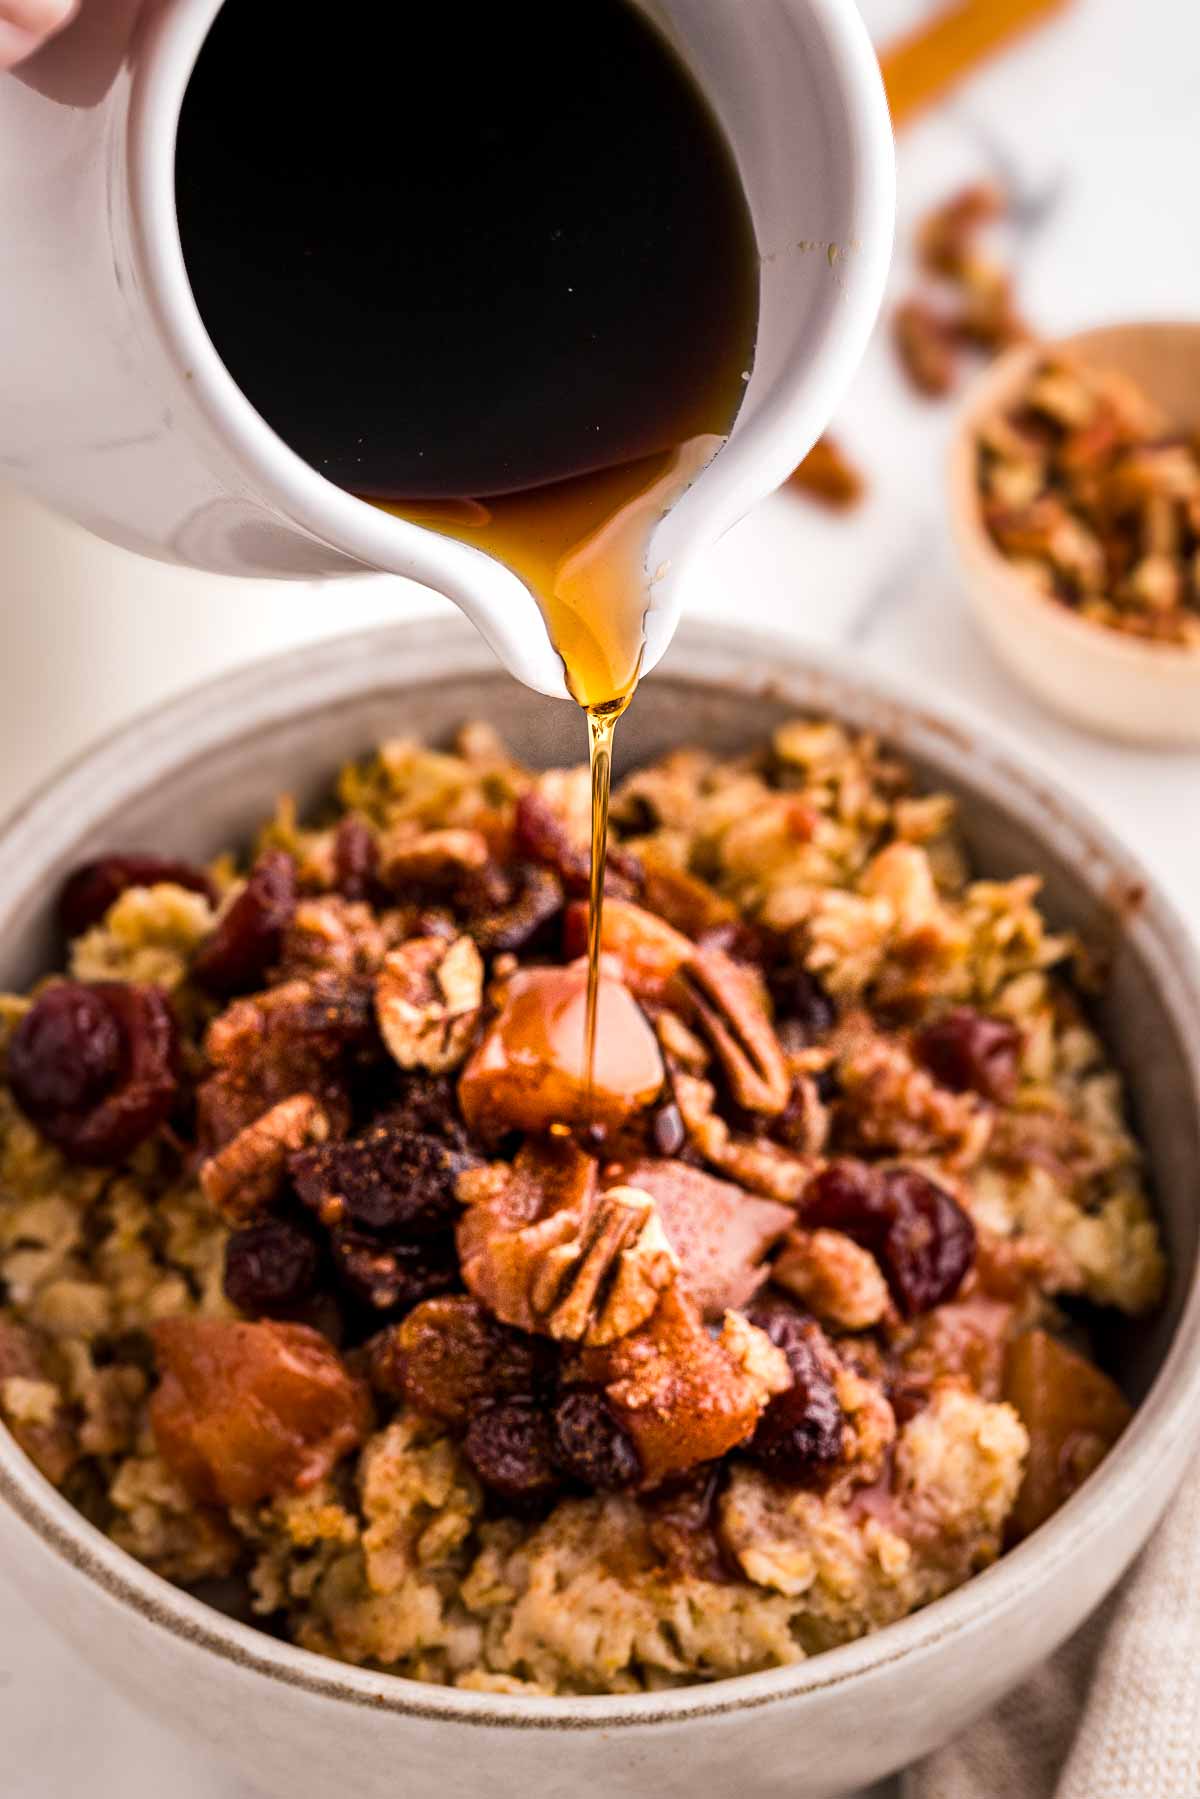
column 196, row 775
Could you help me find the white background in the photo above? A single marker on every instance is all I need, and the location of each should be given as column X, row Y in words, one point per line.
column 1095, row 120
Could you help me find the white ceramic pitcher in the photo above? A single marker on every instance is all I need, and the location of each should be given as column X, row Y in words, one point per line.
column 116, row 409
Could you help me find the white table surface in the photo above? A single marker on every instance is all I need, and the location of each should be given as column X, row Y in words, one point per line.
column 1097, row 116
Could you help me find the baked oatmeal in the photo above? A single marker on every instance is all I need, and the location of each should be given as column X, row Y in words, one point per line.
column 327, row 1278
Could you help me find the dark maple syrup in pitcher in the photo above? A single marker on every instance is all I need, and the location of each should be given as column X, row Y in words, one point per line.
column 491, row 268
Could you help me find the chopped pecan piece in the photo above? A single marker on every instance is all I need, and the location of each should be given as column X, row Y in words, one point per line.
column 837, row 1279
column 413, row 858
column 1073, row 1413
column 427, row 1000
column 302, row 1037
column 244, row 1177
column 246, row 1411
column 332, row 936
column 828, row 474
column 754, row 1163
column 888, row 1103
column 529, row 1073
column 545, row 1252
column 682, row 1396
column 945, row 237
column 926, row 345
column 30, row 1403
column 719, row 1233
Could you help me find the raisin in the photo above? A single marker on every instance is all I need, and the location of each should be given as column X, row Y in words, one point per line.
column 355, row 860
column 681, row 1523
column 533, row 896
column 390, row 1179
column 921, row 1237
column 249, row 938
column 91, row 890
column 802, row 1429
column 392, row 1278
column 94, row 1067
column 510, row 1445
column 592, row 1445
column 969, row 1051
column 270, row 1268
column 667, row 1130
column 450, row 1356
column 802, row 1006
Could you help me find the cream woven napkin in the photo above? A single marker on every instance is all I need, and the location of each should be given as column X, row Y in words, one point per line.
column 1115, row 1714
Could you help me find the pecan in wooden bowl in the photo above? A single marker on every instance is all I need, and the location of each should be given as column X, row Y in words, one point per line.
column 1074, row 489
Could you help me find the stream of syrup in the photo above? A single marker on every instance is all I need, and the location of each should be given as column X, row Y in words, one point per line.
column 493, row 269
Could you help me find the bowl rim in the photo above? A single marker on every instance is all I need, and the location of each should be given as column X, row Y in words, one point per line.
column 989, row 389
column 256, row 698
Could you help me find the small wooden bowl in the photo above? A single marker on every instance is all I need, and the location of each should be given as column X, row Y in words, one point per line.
column 1123, row 687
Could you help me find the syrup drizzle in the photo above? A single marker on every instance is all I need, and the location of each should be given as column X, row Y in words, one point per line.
column 602, row 724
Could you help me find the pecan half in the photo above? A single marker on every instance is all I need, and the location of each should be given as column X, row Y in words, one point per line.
column 545, row 1252
column 244, row 1177
column 427, row 999
column 726, row 1001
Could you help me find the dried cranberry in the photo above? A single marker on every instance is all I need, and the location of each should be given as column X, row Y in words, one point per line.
column 248, row 939
column 270, row 1268
column 392, row 1278
column 930, row 1242
column 969, row 1051
column 91, row 890
column 667, row 1130
column 804, row 1012
column 510, row 1445
column 65, row 1054
column 94, row 1067
column 921, row 1237
column 592, row 1445
column 355, row 859
column 534, row 897
column 390, row 1179
column 802, row 1429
